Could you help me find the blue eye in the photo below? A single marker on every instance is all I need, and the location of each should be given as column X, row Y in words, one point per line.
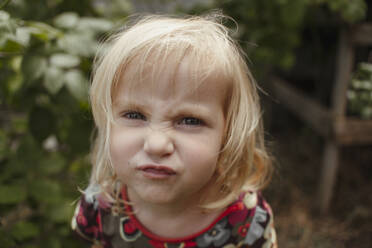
column 191, row 121
column 133, row 115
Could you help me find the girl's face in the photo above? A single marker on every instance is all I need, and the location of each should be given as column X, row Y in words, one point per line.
column 167, row 135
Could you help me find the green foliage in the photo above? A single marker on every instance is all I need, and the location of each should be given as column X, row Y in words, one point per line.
column 270, row 31
column 360, row 92
column 10, row 194
column 45, row 122
column 350, row 11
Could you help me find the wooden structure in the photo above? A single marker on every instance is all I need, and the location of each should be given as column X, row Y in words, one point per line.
column 333, row 124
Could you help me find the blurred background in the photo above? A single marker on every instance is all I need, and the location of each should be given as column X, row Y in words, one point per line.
column 299, row 51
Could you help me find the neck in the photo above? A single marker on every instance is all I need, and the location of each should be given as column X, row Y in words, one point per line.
column 175, row 220
column 163, row 210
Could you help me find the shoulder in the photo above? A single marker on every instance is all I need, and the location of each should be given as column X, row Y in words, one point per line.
column 87, row 219
column 257, row 229
column 248, row 222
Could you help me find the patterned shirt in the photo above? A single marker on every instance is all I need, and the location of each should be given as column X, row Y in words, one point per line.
column 248, row 222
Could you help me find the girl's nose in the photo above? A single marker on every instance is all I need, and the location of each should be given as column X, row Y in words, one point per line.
column 158, row 143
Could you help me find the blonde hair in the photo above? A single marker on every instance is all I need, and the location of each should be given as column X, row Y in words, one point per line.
column 243, row 162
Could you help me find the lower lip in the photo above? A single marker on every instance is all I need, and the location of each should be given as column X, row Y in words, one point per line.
column 156, row 174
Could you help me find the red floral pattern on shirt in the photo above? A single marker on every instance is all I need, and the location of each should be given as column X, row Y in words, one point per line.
column 248, row 222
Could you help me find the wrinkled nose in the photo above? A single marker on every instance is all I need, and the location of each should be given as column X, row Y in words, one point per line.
column 158, row 143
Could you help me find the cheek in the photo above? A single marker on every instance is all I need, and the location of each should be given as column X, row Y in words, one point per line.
column 122, row 146
column 202, row 157
column 205, row 145
column 209, row 147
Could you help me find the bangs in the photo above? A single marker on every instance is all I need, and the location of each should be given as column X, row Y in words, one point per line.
column 207, row 57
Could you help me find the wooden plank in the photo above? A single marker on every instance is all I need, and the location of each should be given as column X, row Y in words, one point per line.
column 353, row 131
column 362, row 34
column 344, row 66
column 345, row 131
column 328, row 175
column 303, row 106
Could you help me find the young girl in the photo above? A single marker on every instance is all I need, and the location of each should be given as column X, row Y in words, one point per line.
column 179, row 157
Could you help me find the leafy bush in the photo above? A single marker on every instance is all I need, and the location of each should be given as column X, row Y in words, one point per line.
column 270, row 31
column 360, row 92
column 45, row 125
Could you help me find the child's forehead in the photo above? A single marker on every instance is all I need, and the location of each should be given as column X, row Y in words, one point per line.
column 170, row 75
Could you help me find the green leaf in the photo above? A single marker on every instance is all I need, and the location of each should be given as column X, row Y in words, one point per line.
column 4, row 16
column 78, row 134
column 15, row 63
column 53, row 79
column 24, row 230
column 22, row 162
column 14, row 83
column 33, row 67
column 287, row 61
column 3, row 144
column 79, row 165
column 366, row 67
column 5, row 240
column 43, row 31
column 7, row 24
column 362, row 84
column 77, row 84
column 64, row 60
column 52, row 164
column 94, row 24
column 23, row 35
column 355, row 11
column 11, row 194
column 65, row 104
column 66, row 20
column 82, row 44
column 61, row 213
column 366, row 112
column 42, row 123
column 46, row 191
column 31, row 246
column 19, row 124
column 11, row 45
column 27, row 155
column 54, row 241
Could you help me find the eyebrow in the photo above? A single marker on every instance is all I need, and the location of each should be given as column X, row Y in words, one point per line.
column 187, row 109
column 191, row 109
column 130, row 105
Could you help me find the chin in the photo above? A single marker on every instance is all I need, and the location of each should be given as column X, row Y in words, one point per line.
column 158, row 199
column 152, row 196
